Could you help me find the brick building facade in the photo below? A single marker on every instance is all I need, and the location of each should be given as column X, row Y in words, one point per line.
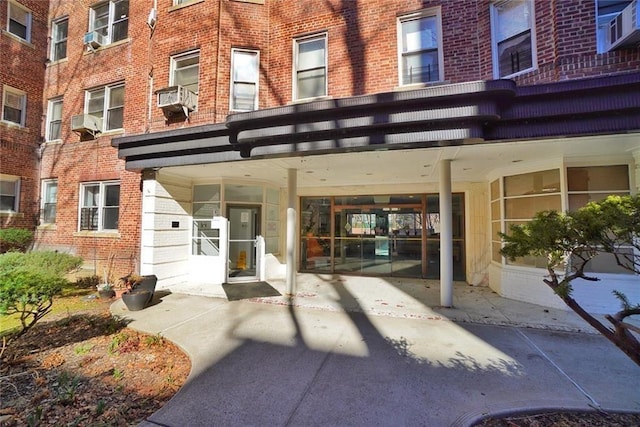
column 416, row 79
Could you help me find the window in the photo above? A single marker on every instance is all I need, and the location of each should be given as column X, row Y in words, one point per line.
column 206, row 205
column 606, row 11
column 9, row 193
column 185, row 71
column 107, row 103
column 310, row 67
column 19, row 21
column 420, row 53
column 49, row 201
column 59, row 39
column 513, row 38
column 99, row 206
column 594, row 184
column 110, row 19
column 14, row 102
column 54, row 119
column 244, row 80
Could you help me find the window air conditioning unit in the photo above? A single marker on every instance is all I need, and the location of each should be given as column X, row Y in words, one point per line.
column 624, row 29
column 86, row 124
column 174, row 99
column 94, row 39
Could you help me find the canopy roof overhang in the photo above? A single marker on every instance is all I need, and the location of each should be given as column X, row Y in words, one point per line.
column 477, row 124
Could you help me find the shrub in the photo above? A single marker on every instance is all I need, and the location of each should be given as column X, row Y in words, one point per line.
column 30, row 281
column 28, row 293
column 15, row 239
column 88, row 282
column 49, row 262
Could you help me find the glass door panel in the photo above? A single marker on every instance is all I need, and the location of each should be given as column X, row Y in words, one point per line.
column 244, row 227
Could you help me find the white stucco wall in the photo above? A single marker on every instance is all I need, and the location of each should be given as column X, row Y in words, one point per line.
column 525, row 284
column 165, row 249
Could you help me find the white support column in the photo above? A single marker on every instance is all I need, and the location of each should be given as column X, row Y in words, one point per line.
column 446, row 236
column 292, row 217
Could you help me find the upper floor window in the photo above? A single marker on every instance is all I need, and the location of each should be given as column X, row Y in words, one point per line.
column 19, row 21
column 9, row 193
column 110, row 19
column 420, row 47
column 608, row 22
column 513, row 37
column 244, row 80
column 59, row 34
column 14, row 102
column 99, row 205
column 54, row 119
column 185, row 71
column 106, row 103
column 310, row 63
column 49, row 201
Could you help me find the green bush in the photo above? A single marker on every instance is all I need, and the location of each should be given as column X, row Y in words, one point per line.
column 49, row 262
column 15, row 239
column 29, row 293
column 88, row 282
column 30, row 281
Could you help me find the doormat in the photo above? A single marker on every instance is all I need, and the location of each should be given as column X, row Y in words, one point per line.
column 238, row 291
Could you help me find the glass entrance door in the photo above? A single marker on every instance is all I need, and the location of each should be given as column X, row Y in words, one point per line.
column 382, row 241
column 244, row 227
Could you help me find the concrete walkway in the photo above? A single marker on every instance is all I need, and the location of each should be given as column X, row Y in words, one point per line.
column 357, row 351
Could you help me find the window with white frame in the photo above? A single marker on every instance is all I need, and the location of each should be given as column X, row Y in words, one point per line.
column 14, row 103
column 9, row 193
column 185, row 71
column 99, row 205
column 54, row 119
column 513, row 37
column 107, row 104
column 310, row 67
column 110, row 19
column 19, row 21
column 59, row 33
column 49, row 201
column 606, row 11
column 420, row 47
column 244, row 79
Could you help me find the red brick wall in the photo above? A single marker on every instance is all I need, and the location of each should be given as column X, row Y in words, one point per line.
column 362, row 43
column 23, row 68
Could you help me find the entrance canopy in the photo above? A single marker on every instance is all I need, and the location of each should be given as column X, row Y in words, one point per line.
column 451, row 121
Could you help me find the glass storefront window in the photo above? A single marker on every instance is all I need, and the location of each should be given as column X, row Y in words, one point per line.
column 378, row 235
column 243, row 193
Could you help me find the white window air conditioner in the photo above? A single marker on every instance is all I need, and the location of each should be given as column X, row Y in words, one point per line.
column 94, row 39
column 174, row 99
column 624, row 29
column 86, row 124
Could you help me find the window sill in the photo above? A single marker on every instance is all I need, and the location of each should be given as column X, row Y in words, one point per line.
column 57, row 61
column 13, row 125
column 11, row 214
column 519, row 73
column 305, row 100
column 18, row 39
column 91, row 51
column 114, row 234
column 53, row 142
column 44, row 227
column 250, row 1
column 414, row 86
column 183, row 5
column 112, row 132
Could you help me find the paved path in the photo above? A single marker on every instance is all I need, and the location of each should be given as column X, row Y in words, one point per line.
column 257, row 364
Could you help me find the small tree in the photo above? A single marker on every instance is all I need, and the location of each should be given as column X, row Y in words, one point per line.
column 29, row 282
column 569, row 241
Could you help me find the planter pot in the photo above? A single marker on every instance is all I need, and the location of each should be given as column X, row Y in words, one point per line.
column 148, row 283
column 107, row 294
column 136, row 300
